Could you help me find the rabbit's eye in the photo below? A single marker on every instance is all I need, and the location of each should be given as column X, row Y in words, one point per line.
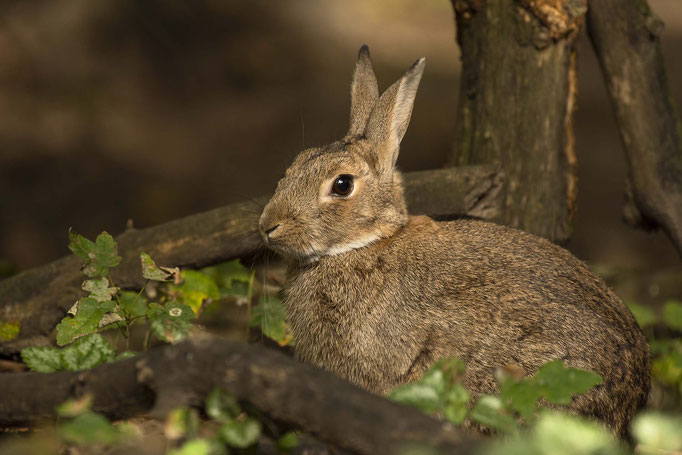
column 343, row 185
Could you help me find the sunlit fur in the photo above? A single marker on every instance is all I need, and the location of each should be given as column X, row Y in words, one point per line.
column 377, row 297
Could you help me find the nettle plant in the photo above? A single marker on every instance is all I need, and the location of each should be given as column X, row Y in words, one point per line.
column 179, row 299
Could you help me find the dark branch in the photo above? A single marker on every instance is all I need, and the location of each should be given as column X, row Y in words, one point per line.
column 624, row 34
column 287, row 391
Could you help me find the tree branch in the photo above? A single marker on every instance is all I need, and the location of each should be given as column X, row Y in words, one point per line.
column 37, row 299
column 624, row 34
column 287, row 391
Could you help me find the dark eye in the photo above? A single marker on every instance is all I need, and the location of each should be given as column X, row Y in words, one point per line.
column 343, row 185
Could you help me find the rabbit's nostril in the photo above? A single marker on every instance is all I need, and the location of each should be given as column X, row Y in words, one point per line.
column 271, row 230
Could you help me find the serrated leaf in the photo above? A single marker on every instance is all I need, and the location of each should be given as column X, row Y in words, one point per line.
column 132, row 304
column 221, row 405
column 89, row 428
column 270, row 316
column 559, row 383
column 86, row 321
column 80, row 246
column 87, row 352
column 9, row 330
column 110, row 318
column 644, row 315
column 153, row 272
column 241, row 433
column 75, row 406
column 195, row 289
column 489, row 411
column 419, row 395
column 672, row 314
column 43, row 359
column 99, row 289
column 170, row 323
column 521, row 396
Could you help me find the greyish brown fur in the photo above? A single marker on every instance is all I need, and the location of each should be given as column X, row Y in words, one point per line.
column 377, row 296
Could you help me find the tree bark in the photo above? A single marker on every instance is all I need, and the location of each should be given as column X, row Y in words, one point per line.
column 37, row 299
column 624, row 34
column 287, row 391
column 517, row 97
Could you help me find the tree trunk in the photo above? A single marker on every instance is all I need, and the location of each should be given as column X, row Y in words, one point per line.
column 624, row 34
column 516, row 102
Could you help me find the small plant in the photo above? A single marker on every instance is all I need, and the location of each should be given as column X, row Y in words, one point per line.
column 179, row 300
column 439, row 392
column 236, row 429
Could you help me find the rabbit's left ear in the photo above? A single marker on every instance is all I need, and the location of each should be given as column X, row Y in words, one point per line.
column 364, row 93
column 389, row 120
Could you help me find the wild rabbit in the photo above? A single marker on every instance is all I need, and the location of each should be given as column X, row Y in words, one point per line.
column 377, row 296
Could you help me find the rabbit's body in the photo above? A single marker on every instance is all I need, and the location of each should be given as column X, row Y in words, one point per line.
column 489, row 295
column 377, row 297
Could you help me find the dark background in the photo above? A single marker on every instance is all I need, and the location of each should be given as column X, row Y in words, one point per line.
column 120, row 109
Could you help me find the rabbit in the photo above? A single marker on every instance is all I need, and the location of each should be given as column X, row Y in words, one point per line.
column 377, row 296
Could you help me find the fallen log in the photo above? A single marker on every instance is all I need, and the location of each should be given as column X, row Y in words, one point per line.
column 287, row 391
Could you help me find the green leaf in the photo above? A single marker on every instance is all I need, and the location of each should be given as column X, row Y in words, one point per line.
column 490, row 412
column 99, row 289
column 125, row 355
column 87, row 352
column 644, row 315
column 221, row 405
column 422, row 396
column 86, row 321
column 672, row 314
column 668, row 368
column 170, row 323
column 43, row 359
column 132, row 304
column 559, row 383
column 9, row 330
column 456, row 400
column 287, row 442
column 153, row 272
column 231, row 277
column 80, row 246
column 194, row 289
column 658, row 433
column 521, row 396
column 75, row 407
column 182, row 423
column 270, row 316
column 101, row 257
column 194, row 447
column 241, row 433
column 89, row 428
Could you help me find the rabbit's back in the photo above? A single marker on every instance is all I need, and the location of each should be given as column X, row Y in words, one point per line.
column 490, row 295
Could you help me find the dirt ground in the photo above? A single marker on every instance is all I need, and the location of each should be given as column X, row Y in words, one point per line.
column 117, row 110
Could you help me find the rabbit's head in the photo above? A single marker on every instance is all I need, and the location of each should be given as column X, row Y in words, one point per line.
column 347, row 194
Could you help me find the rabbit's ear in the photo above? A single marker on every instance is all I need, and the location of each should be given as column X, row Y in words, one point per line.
column 364, row 93
column 391, row 116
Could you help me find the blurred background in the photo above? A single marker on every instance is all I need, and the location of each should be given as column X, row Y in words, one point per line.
column 120, row 109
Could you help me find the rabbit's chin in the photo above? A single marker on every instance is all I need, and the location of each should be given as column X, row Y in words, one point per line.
column 313, row 252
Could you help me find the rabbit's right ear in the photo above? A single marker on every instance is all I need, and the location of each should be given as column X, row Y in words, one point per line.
column 364, row 93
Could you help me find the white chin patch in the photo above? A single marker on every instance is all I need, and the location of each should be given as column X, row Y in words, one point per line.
column 346, row 247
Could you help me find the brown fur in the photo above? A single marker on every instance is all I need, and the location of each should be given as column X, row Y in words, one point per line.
column 377, row 297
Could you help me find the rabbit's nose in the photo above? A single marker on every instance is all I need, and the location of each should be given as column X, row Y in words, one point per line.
column 266, row 232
